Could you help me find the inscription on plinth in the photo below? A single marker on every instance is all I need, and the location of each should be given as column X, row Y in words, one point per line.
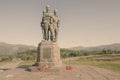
column 46, row 53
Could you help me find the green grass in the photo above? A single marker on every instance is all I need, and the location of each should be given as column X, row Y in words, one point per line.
column 111, row 65
column 29, row 63
column 4, row 62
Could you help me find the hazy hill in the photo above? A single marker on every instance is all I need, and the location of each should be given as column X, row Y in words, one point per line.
column 115, row 46
column 6, row 48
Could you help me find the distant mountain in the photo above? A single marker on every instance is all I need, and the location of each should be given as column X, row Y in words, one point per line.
column 115, row 46
column 78, row 48
column 6, row 48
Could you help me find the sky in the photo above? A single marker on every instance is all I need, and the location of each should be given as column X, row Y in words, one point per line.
column 82, row 22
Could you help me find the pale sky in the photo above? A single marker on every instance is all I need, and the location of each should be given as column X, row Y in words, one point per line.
column 83, row 22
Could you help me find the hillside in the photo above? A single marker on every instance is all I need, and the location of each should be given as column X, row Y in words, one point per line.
column 115, row 46
column 7, row 49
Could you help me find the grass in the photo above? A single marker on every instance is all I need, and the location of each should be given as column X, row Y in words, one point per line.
column 4, row 62
column 111, row 65
column 26, row 63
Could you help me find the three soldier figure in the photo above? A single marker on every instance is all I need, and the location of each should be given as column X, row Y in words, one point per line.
column 50, row 25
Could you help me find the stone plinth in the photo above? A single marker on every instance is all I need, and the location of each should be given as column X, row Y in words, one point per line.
column 48, row 54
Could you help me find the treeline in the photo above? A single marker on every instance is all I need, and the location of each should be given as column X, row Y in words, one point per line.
column 6, row 58
column 25, row 56
column 65, row 53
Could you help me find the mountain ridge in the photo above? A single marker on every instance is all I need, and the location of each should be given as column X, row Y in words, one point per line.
column 114, row 46
column 8, row 49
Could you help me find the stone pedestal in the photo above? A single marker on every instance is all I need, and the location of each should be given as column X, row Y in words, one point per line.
column 48, row 54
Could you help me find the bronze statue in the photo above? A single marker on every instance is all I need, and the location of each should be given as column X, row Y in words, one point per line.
column 50, row 25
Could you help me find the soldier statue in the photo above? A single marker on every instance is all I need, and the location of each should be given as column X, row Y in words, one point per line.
column 50, row 25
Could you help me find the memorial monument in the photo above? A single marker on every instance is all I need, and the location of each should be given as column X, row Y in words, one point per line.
column 48, row 51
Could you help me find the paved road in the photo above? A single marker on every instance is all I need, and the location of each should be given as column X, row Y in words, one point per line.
column 78, row 73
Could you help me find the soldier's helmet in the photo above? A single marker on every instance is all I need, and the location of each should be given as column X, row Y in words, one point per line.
column 47, row 8
column 55, row 12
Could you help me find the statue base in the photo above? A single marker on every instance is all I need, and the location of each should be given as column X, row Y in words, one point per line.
column 48, row 54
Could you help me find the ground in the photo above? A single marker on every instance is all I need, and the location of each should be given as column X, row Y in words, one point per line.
column 79, row 72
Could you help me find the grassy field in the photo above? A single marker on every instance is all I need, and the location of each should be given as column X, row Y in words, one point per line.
column 110, row 62
column 111, row 65
column 5, row 62
column 29, row 63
